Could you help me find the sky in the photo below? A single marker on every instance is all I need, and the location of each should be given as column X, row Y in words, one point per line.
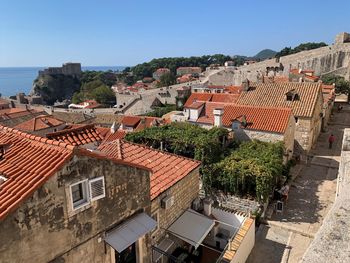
column 125, row 33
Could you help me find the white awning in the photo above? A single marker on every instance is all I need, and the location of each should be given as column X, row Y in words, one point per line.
column 192, row 227
column 129, row 232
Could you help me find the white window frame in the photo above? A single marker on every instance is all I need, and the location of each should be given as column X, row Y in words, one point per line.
column 104, row 188
column 86, row 194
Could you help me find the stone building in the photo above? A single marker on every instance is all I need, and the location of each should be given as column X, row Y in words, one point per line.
column 41, row 125
column 267, row 124
column 13, row 116
column 160, row 72
column 305, row 99
column 71, row 69
column 66, row 203
column 61, row 203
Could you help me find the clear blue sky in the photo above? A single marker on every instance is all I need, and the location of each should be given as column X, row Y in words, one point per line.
column 112, row 32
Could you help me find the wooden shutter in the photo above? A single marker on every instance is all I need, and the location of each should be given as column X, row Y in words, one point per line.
column 97, row 188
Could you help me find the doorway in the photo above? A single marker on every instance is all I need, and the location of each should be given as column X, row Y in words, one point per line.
column 128, row 255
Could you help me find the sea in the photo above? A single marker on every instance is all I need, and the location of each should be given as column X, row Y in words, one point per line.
column 20, row 79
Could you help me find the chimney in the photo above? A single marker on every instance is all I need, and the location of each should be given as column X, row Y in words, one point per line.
column 245, row 85
column 113, row 128
column 218, row 117
column 207, row 207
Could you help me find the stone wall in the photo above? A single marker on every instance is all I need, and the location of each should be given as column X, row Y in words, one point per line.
column 308, row 129
column 331, row 243
column 45, row 228
column 184, row 192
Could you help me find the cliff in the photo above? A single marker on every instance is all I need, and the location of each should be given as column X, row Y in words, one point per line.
column 55, row 87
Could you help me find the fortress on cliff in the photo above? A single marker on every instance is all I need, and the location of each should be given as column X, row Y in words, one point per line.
column 71, row 69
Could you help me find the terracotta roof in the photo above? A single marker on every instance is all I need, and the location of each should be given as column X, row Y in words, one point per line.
column 238, row 239
column 197, row 97
column 117, row 135
column 77, row 136
column 7, row 114
column 146, row 122
column 274, row 95
column 130, row 121
column 28, row 163
column 214, row 97
column 233, row 89
column 39, row 123
column 196, row 105
column 258, row 118
column 140, row 122
column 207, row 114
column 167, row 169
column 224, row 97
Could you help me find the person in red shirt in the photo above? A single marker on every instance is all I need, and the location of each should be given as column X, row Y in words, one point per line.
column 331, row 139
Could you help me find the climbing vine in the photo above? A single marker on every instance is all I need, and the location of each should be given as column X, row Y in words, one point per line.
column 184, row 139
column 251, row 170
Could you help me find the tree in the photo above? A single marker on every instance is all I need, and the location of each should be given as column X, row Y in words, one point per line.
column 166, row 80
column 253, row 169
column 302, row 47
column 103, row 95
column 341, row 85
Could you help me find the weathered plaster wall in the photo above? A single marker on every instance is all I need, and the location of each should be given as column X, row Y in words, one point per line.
column 43, row 228
column 184, row 192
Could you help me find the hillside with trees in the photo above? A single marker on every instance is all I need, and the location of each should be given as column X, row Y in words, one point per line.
column 302, row 47
column 146, row 69
column 96, row 85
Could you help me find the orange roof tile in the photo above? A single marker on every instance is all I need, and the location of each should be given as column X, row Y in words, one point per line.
column 197, row 97
column 274, row 95
column 28, row 163
column 39, row 123
column 233, row 89
column 7, row 114
column 216, row 97
column 167, row 169
column 258, row 118
column 196, row 105
column 130, row 121
column 224, row 97
column 77, row 136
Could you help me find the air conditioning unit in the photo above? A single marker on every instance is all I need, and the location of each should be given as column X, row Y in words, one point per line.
column 167, row 202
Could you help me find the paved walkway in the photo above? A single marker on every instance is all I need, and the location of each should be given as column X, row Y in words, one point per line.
column 312, row 193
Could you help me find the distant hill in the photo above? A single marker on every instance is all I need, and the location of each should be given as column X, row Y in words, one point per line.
column 265, row 54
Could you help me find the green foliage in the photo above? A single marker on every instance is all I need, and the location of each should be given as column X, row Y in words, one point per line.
column 96, row 86
column 265, row 54
column 160, row 111
column 341, row 85
column 106, row 77
column 184, row 139
column 302, row 47
column 146, row 69
column 54, row 88
column 166, row 80
column 95, row 90
column 253, row 169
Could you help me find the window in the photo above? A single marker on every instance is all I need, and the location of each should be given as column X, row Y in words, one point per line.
column 97, row 188
column 86, row 191
column 79, row 193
